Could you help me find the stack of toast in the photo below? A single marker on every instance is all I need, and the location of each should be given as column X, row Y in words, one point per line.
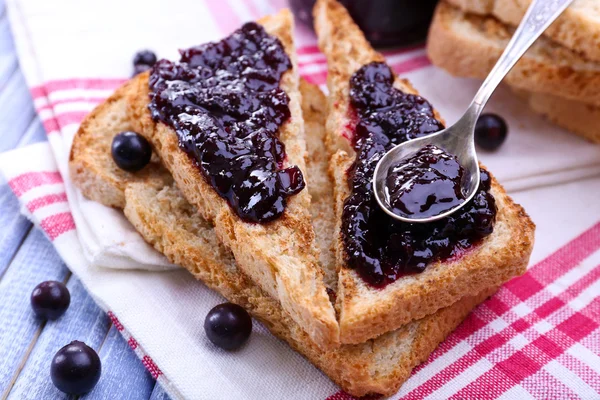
column 559, row 76
column 291, row 273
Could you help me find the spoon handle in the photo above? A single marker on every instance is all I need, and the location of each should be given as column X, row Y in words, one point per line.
column 539, row 16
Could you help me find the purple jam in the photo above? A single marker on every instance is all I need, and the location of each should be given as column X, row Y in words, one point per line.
column 378, row 247
column 225, row 103
column 426, row 184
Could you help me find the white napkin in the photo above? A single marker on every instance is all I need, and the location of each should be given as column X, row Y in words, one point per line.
column 107, row 239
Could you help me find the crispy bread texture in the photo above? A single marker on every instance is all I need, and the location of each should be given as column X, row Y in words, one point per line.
column 580, row 118
column 578, row 28
column 279, row 256
column 468, row 45
column 92, row 171
column 176, row 228
column 541, row 71
column 365, row 312
column 314, row 112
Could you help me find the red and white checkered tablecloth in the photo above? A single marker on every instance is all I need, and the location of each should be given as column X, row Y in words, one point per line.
column 537, row 338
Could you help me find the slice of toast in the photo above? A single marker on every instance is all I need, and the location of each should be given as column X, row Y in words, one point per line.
column 174, row 227
column 279, row 256
column 366, row 312
column 578, row 28
column 580, row 118
column 93, row 172
column 468, row 45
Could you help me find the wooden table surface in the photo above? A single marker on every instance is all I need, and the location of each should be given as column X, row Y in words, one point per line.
column 27, row 258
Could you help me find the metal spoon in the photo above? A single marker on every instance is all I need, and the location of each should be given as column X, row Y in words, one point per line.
column 459, row 139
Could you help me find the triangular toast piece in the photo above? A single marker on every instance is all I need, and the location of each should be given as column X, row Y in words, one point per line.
column 98, row 177
column 577, row 28
column 365, row 311
column 280, row 256
column 469, row 45
column 577, row 117
column 174, row 227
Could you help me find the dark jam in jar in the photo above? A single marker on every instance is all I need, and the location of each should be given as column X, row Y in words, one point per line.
column 426, row 184
column 385, row 23
column 225, row 103
column 378, row 247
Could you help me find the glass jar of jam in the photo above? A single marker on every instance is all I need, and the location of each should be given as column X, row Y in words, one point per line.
column 386, row 23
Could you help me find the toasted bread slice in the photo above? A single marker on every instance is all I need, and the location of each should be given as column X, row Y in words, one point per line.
column 279, row 256
column 366, row 312
column 468, row 45
column 578, row 28
column 314, row 111
column 174, row 227
column 580, row 118
column 92, row 171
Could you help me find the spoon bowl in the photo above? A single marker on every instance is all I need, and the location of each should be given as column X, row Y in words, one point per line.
column 452, row 140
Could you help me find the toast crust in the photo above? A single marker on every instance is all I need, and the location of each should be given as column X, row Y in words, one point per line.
column 580, row 118
column 175, row 228
column 468, row 45
column 365, row 312
column 97, row 175
column 576, row 28
column 319, row 185
column 279, row 256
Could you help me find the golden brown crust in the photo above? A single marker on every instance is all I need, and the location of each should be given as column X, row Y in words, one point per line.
column 580, row 118
column 340, row 40
column 469, row 46
column 174, row 227
column 97, row 176
column 280, row 256
column 365, row 312
column 319, row 185
column 577, row 28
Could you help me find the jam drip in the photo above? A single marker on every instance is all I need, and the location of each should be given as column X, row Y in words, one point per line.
column 426, row 184
column 224, row 101
column 378, row 247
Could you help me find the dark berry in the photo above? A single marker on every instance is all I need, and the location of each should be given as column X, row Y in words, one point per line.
column 50, row 299
column 490, row 132
column 131, row 151
column 144, row 57
column 75, row 368
column 228, row 326
column 138, row 69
